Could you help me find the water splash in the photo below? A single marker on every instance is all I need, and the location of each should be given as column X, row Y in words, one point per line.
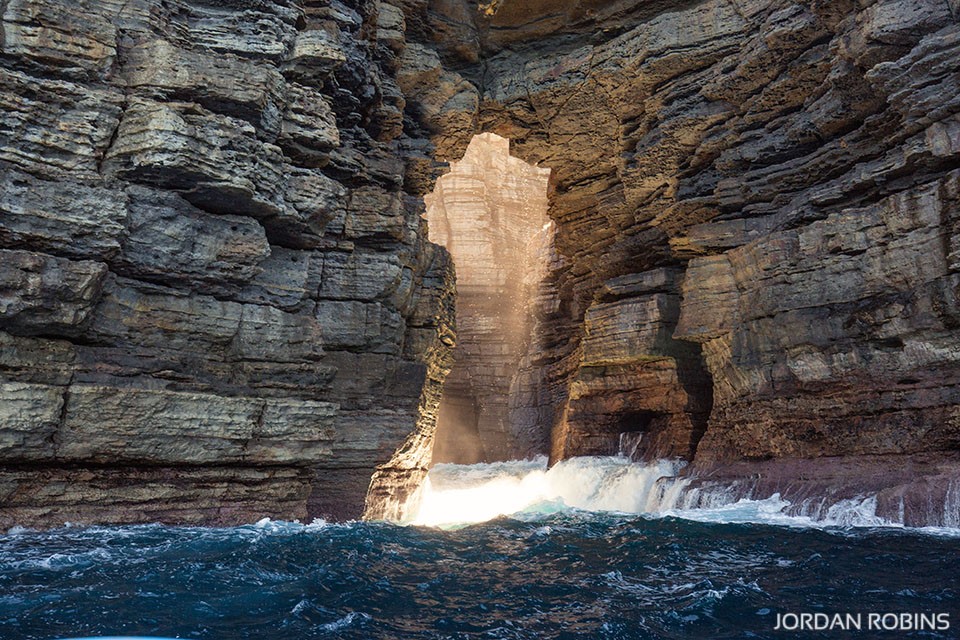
column 463, row 494
column 851, row 512
column 951, row 507
column 457, row 495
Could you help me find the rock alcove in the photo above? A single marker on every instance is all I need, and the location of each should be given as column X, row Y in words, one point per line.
column 490, row 212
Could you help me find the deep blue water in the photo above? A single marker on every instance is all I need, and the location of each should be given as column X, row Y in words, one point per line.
column 566, row 575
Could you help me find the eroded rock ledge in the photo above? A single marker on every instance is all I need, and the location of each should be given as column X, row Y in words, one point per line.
column 217, row 302
column 756, row 208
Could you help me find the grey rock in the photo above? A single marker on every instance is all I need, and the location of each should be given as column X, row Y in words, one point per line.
column 172, row 141
column 72, row 219
column 272, row 335
column 309, row 129
column 361, row 275
column 36, row 360
column 192, row 428
column 170, row 241
column 133, row 314
column 221, row 82
column 315, row 55
column 73, row 36
column 313, row 201
column 374, row 213
column 40, row 293
column 284, row 281
column 351, row 324
column 265, row 29
column 662, row 280
column 391, row 27
column 210, row 495
column 293, row 430
column 215, row 161
column 106, row 424
column 54, row 127
column 29, row 418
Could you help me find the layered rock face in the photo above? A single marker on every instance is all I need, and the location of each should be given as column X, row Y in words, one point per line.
column 756, row 219
column 490, row 212
column 217, row 302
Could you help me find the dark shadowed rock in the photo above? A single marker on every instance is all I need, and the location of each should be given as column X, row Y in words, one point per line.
column 208, row 261
column 43, row 294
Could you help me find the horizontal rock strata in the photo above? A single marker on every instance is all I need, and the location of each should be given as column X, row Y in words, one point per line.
column 756, row 248
column 217, row 302
column 755, row 254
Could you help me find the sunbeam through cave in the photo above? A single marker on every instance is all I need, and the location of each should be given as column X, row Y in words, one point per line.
column 490, row 212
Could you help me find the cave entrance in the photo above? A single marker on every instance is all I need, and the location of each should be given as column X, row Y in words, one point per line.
column 490, row 212
column 630, row 430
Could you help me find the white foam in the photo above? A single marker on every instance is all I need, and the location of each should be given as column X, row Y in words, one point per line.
column 17, row 530
column 855, row 512
column 347, row 621
column 951, row 507
column 462, row 494
column 270, row 526
column 456, row 495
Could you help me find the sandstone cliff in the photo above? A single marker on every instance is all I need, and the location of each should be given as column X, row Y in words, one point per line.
column 756, row 208
column 218, row 299
column 217, row 302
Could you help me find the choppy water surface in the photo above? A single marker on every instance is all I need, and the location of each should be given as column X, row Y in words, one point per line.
column 549, row 572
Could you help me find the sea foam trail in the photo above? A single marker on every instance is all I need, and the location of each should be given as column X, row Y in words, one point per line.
column 455, row 495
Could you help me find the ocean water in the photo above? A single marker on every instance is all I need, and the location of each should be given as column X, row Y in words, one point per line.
column 549, row 570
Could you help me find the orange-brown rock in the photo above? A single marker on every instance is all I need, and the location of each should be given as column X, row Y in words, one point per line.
column 490, row 213
column 794, row 165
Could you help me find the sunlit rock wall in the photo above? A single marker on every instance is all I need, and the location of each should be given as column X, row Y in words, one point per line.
column 490, row 212
column 756, row 218
column 217, row 302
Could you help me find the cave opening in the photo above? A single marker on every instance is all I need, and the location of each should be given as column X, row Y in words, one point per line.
column 490, row 212
column 630, row 429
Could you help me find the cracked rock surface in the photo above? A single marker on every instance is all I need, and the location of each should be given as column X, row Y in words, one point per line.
column 756, row 219
column 217, row 301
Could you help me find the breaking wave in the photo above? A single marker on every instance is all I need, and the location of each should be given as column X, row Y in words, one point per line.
column 457, row 495
column 593, row 548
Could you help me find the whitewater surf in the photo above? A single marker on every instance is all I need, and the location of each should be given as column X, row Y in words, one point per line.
column 594, row 548
column 457, row 495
